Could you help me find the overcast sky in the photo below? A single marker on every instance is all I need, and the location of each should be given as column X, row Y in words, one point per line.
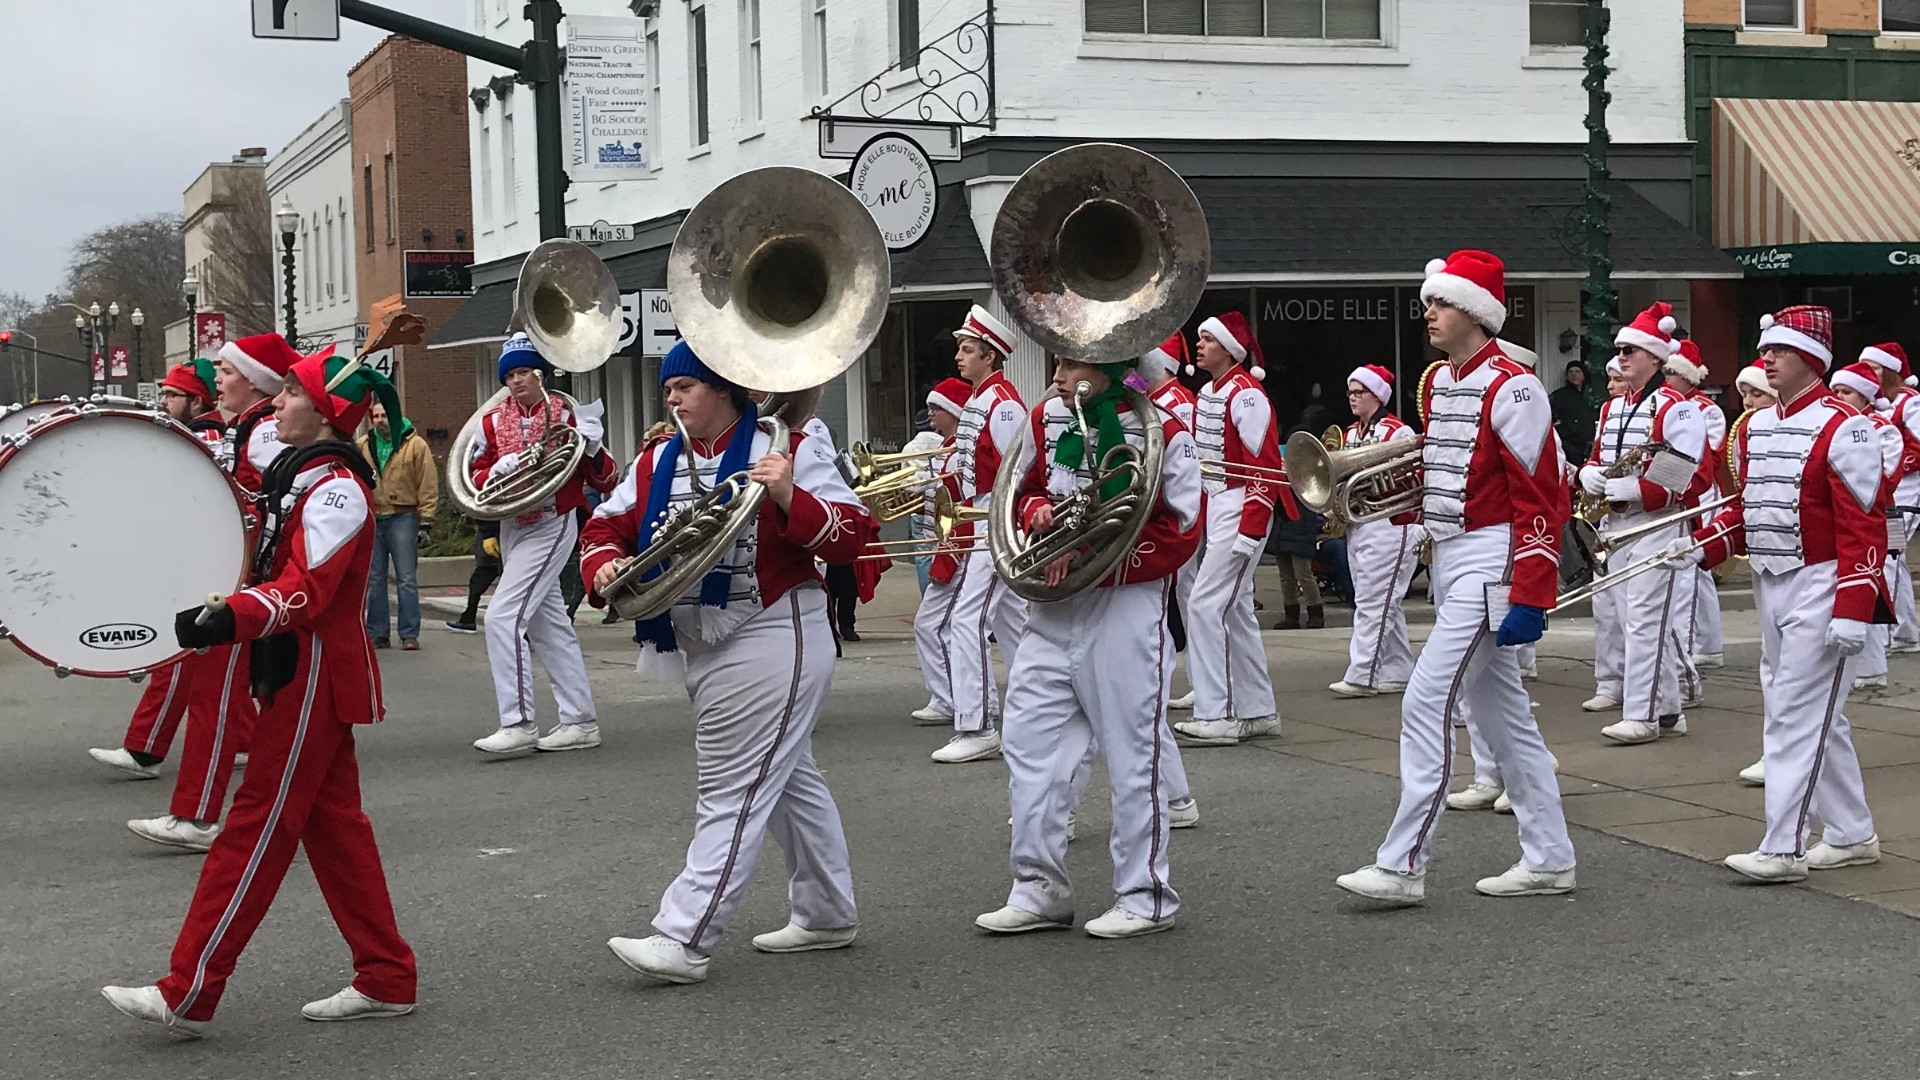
column 112, row 107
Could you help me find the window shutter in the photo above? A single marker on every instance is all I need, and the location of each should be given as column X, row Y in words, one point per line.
column 1116, row 16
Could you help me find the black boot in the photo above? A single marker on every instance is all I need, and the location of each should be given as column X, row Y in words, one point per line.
column 1316, row 617
column 1289, row 618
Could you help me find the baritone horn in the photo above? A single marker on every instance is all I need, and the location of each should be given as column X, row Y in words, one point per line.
column 568, row 305
column 779, row 280
column 1357, row 484
column 1098, row 253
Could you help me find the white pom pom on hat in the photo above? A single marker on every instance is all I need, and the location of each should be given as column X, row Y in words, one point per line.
column 1258, row 372
column 1436, row 266
column 1766, row 322
column 1668, row 324
column 1189, row 370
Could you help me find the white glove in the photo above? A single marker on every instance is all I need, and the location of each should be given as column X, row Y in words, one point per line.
column 1624, row 489
column 1678, row 557
column 1849, row 636
column 1247, row 545
column 593, row 430
column 505, row 465
column 1593, row 479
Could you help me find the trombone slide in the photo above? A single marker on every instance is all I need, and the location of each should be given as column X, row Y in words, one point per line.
column 1651, row 562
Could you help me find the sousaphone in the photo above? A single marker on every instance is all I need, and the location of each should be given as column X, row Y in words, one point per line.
column 1099, row 252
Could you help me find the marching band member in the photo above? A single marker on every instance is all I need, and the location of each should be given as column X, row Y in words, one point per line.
column 1494, row 505
column 314, row 671
column 1159, row 368
column 1858, row 385
column 756, row 649
column 1234, row 425
column 1529, row 654
column 1096, row 667
column 1898, row 404
column 1686, row 372
column 985, row 607
column 1756, row 393
column 210, row 687
column 1609, row 664
column 1380, row 554
column 527, row 608
column 1810, row 523
column 933, row 620
column 1651, row 412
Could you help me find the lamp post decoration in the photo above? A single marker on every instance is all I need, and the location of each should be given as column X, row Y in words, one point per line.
column 287, row 219
column 1598, row 309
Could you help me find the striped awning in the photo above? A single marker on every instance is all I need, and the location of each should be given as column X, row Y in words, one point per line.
column 1815, row 172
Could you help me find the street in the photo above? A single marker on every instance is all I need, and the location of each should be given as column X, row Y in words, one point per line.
column 509, row 876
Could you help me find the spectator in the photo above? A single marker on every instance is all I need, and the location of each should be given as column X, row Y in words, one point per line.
column 920, row 524
column 486, row 571
column 405, row 493
column 1293, row 543
column 1574, row 413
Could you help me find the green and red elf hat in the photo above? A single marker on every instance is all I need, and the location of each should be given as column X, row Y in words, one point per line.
column 193, row 378
column 343, row 389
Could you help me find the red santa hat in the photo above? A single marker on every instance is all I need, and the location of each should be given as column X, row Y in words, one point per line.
column 1165, row 358
column 1686, row 362
column 1805, row 328
column 1889, row 355
column 1613, row 366
column 1236, row 336
column 951, row 395
column 1473, row 281
column 1754, row 377
column 193, row 378
column 984, row 326
column 265, row 359
column 1651, row 330
column 1862, row 378
column 1377, row 380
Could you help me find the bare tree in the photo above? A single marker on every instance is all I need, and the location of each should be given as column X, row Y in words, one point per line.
column 138, row 264
column 240, row 267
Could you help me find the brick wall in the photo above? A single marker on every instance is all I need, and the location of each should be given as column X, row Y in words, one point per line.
column 1819, row 15
column 1713, row 12
column 409, row 102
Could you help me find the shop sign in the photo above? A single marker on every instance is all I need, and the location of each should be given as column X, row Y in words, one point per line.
column 1780, row 260
column 895, row 180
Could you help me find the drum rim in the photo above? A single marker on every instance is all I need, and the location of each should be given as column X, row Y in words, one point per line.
column 75, row 412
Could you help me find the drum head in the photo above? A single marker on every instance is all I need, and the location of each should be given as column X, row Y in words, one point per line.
column 110, row 522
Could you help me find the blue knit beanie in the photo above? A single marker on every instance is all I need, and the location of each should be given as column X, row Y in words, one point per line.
column 519, row 352
column 680, row 360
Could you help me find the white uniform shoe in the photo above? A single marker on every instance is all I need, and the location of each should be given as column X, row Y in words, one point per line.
column 1755, row 775
column 1531, row 671
column 1118, row 923
column 661, row 959
column 1694, row 702
column 1181, row 815
column 118, row 758
column 1904, row 647
column 1520, row 880
column 969, row 746
column 1380, row 883
column 795, row 938
column 1676, row 729
column 1632, row 732
column 570, row 737
column 145, row 1003
column 1503, row 804
column 1600, row 703
column 1343, row 688
column 1870, row 682
column 171, row 831
column 1710, row 660
column 1185, row 701
column 1475, row 796
column 927, row 714
column 509, row 740
column 1016, row 920
column 1768, row 867
column 1825, row 856
column 351, row 1004
column 1226, row 732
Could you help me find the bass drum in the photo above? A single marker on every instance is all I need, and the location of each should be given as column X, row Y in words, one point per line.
column 16, row 419
column 114, row 520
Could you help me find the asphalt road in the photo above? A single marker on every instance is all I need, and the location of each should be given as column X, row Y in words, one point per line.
column 510, row 875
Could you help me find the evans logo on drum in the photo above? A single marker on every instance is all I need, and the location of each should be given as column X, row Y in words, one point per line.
column 117, row 636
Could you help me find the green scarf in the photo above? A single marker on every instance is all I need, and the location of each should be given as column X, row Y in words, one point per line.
column 383, row 446
column 1103, row 413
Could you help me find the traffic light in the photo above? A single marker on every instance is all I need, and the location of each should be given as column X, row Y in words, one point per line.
column 6, row 341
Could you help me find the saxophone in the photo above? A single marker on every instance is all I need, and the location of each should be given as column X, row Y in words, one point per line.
column 1590, row 507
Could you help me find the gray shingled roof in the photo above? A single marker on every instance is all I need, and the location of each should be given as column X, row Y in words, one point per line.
column 950, row 253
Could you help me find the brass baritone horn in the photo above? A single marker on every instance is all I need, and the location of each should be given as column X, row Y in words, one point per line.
column 1358, row 484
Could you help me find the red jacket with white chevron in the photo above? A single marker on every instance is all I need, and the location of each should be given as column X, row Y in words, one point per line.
column 1811, row 492
column 1489, row 464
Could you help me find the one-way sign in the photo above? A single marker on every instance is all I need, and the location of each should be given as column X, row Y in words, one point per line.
column 599, row 232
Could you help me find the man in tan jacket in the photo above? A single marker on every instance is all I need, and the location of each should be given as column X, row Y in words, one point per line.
column 404, row 499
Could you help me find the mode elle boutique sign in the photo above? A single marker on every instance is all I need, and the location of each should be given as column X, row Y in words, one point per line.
column 894, row 179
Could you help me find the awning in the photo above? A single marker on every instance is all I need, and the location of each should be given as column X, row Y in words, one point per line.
column 1321, row 229
column 1793, row 173
column 481, row 320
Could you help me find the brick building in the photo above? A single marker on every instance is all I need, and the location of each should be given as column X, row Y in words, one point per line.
column 411, row 192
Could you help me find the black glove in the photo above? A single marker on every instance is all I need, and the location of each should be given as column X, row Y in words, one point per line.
column 272, row 663
column 193, row 634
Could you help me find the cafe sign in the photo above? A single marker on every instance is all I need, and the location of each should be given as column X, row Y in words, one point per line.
column 1780, row 260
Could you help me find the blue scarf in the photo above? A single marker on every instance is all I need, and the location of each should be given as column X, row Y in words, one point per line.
column 714, row 588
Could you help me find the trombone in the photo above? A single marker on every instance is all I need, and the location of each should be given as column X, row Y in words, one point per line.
column 1216, row 469
column 947, row 516
column 1598, row 548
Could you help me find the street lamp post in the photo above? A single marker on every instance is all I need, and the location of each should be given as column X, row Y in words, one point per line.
column 287, row 219
column 139, row 320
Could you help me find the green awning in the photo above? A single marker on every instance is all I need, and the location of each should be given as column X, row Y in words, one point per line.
column 1806, row 260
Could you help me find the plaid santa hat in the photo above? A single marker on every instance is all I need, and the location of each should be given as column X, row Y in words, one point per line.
column 1804, row 328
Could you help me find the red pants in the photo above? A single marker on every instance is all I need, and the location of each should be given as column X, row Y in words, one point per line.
column 302, row 786
column 213, row 688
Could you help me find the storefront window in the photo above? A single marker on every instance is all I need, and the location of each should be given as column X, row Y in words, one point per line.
column 913, row 352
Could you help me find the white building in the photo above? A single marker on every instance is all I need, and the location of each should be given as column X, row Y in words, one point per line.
column 1336, row 145
column 314, row 174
